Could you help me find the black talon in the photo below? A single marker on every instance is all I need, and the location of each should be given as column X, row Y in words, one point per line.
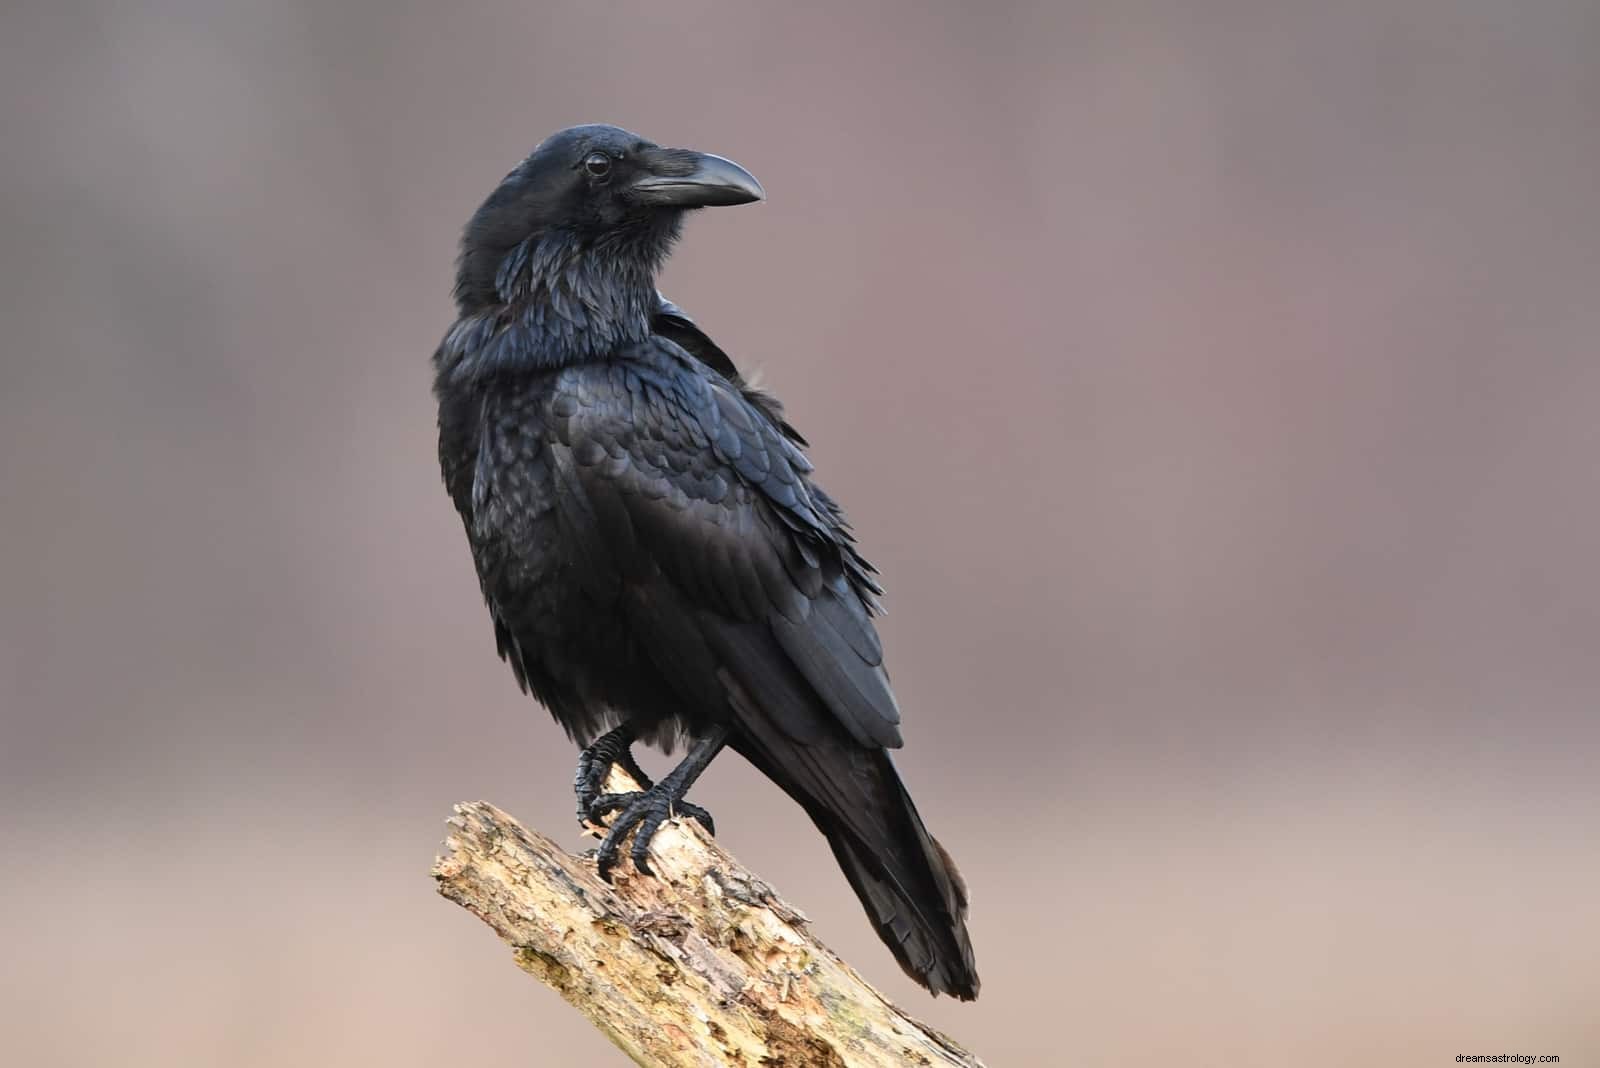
column 649, row 809
column 605, row 804
column 640, row 853
column 695, row 812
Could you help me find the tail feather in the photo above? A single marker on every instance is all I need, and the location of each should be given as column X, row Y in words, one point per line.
column 849, row 787
column 931, row 944
column 909, row 886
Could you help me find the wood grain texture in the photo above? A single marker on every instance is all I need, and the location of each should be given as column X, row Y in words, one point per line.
column 702, row 966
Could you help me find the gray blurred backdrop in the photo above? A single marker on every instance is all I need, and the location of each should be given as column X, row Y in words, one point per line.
column 1216, row 386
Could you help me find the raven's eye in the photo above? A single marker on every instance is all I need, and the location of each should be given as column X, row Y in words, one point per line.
column 598, row 164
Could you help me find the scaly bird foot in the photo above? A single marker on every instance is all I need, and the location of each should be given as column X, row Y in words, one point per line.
column 595, row 763
column 647, row 810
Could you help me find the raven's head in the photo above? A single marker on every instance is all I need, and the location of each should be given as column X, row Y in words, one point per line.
column 587, row 188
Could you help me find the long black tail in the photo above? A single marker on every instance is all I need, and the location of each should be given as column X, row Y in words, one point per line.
column 909, row 885
column 914, row 895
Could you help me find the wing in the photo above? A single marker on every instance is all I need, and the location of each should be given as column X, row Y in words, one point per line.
column 674, row 324
column 700, row 505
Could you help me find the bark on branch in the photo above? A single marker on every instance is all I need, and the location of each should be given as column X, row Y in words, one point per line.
column 700, row 967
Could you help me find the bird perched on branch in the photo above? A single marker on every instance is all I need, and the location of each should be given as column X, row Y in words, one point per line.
column 657, row 561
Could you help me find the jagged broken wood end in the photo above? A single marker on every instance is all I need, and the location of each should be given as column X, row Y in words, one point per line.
column 702, row 965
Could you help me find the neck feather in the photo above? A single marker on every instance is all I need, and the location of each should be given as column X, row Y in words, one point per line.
column 556, row 299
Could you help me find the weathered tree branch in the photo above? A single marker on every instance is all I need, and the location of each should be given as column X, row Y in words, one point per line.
column 702, row 966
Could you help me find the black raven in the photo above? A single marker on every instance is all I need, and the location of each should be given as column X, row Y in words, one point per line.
column 656, row 559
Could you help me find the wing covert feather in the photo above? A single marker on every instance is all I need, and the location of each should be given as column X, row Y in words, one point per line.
column 679, row 479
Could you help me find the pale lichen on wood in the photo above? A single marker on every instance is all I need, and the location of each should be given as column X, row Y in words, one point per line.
column 702, row 966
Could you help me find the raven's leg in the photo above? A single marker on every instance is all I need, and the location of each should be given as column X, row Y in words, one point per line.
column 595, row 763
column 654, row 806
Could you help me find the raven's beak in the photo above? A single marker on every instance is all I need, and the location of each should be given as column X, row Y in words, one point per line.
column 679, row 178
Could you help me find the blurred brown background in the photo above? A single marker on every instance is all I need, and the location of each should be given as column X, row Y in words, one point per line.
column 1216, row 386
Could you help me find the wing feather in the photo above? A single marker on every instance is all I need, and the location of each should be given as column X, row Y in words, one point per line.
column 703, row 504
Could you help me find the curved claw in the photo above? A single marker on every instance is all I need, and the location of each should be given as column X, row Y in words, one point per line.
column 605, row 804
column 695, row 812
column 640, row 854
